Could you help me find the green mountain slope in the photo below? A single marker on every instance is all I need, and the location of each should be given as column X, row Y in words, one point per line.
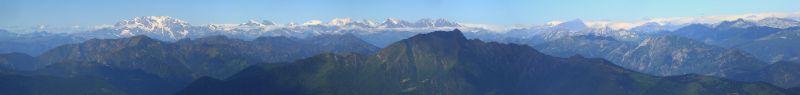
column 140, row 65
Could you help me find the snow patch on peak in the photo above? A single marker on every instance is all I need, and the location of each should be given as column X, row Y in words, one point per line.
column 435, row 23
column 393, row 21
column 312, row 22
column 738, row 23
column 151, row 23
column 778, row 22
column 370, row 22
column 222, row 27
column 267, row 22
column 160, row 27
column 672, row 22
column 553, row 23
column 575, row 25
column 340, row 21
column 252, row 23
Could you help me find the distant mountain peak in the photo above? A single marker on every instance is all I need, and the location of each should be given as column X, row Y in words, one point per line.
column 348, row 22
column 394, row 23
column 651, row 27
column 652, row 24
column 370, row 22
column 312, row 22
column 573, row 25
column 255, row 23
column 161, row 27
column 152, row 22
column 778, row 22
column 427, row 22
column 740, row 20
column 340, row 21
column 142, row 37
column 436, row 39
column 252, row 23
column 123, row 42
column 778, row 19
column 455, row 34
column 393, row 20
column 738, row 23
column 422, row 23
column 267, row 22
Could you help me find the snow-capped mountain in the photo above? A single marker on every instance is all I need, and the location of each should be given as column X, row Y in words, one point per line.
column 557, row 30
column 171, row 29
column 573, row 25
column 395, row 23
column 223, row 27
column 349, row 23
column 778, row 22
column 775, row 20
column 772, row 22
column 254, row 23
column 652, row 27
column 312, row 22
column 161, row 27
column 435, row 23
column 738, row 23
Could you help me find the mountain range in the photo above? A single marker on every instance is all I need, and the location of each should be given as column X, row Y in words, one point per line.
column 664, row 56
column 378, row 33
column 678, row 54
column 144, row 66
column 157, row 55
column 445, row 62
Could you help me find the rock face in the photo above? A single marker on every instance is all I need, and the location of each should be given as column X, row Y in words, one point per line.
column 726, row 34
column 662, row 56
column 780, row 46
column 765, row 43
column 784, row 74
column 672, row 55
column 447, row 63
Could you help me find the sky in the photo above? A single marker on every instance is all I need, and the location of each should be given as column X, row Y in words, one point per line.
column 500, row 12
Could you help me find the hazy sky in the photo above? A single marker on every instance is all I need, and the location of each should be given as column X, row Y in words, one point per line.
column 200, row 12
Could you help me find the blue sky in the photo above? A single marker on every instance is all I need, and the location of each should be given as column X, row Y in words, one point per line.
column 504, row 12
